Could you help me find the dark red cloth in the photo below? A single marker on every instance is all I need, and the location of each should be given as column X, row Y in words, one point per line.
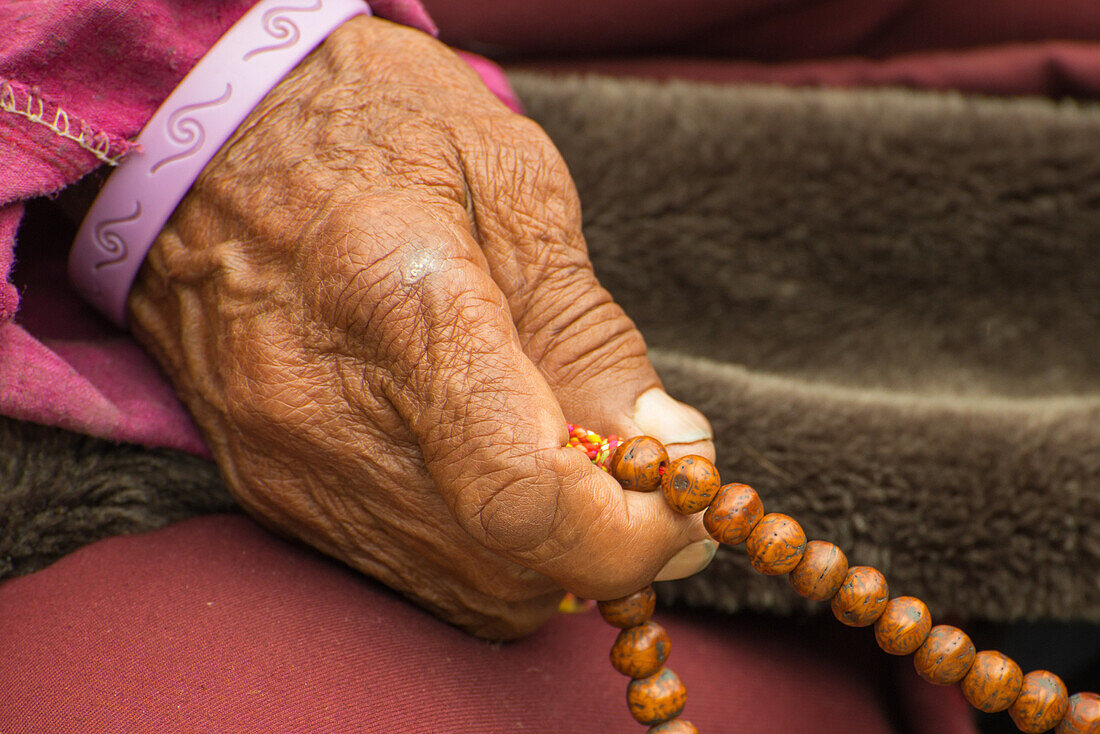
column 216, row 625
column 1055, row 69
column 764, row 30
column 984, row 46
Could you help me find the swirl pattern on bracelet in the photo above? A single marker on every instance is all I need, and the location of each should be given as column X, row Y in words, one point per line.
column 111, row 242
column 281, row 27
column 187, row 130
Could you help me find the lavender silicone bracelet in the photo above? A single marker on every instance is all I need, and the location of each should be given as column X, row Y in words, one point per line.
column 185, row 133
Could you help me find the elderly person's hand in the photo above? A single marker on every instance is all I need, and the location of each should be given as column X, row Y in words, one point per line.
column 377, row 303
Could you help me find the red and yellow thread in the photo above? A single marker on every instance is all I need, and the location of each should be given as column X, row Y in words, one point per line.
column 597, row 448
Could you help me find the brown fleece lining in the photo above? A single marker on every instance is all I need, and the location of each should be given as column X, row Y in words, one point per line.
column 888, row 304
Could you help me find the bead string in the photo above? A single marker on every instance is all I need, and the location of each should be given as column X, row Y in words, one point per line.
column 818, row 570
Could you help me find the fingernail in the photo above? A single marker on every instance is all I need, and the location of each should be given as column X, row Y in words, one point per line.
column 668, row 420
column 689, row 561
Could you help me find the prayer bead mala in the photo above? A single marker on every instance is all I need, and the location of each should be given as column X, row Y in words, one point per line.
column 818, row 570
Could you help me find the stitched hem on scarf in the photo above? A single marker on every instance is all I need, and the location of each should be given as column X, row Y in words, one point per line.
column 17, row 99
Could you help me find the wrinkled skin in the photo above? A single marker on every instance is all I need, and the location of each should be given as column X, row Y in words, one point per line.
column 377, row 303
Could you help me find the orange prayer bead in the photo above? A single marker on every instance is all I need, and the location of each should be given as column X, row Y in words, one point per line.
column 733, row 513
column 638, row 463
column 903, row 626
column 993, row 682
column 690, row 483
column 820, row 572
column 1042, row 702
column 862, row 597
column 676, row 726
column 945, row 656
column 656, row 699
column 640, row 651
column 1082, row 715
column 776, row 544
column 629, row 611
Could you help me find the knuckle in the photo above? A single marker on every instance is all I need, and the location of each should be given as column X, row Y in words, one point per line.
column 387, row 266
column 535, row 168
column 575, row 330
column 530, row 135
column 504, row 623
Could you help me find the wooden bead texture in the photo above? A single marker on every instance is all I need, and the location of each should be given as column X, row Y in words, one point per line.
column 657, row 698
column 821, row 571
column 945, row 656
column 993, row 682
column 690, row 483
column 733, row 513
column 676, row 726
column 862, row 597
column 903, row 626
column 640, row 651
column 629, row 611
column 776, row 544
column 1082, row 715
column 639, row 463
column 1042, row 702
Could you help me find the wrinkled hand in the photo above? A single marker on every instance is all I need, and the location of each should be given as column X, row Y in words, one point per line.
column 377, row 303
